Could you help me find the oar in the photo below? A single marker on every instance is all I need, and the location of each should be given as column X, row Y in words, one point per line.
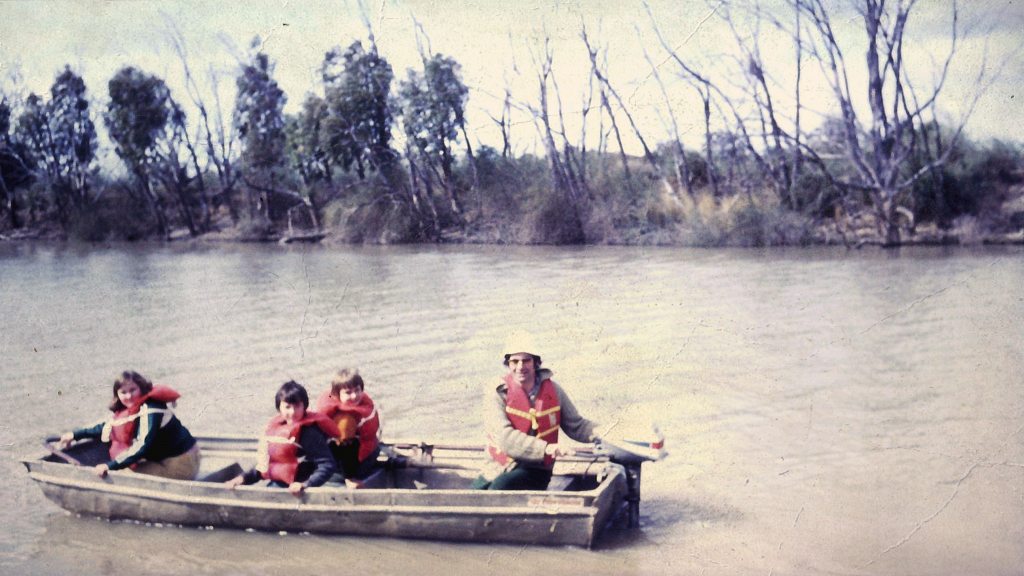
column 59, row 453
column 405, row 444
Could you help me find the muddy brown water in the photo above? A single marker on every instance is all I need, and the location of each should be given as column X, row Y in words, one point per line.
column 827, row 412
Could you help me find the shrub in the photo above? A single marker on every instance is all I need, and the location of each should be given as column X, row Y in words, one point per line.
column 738, row 220
column 115, row 216
column 381, row 222
column 815, row 195
column 975, row 181
column 256, row 229
column 370, row 213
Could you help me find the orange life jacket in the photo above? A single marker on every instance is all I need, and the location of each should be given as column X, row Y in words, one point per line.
column 541, row 419
column 367, row 421
column 120, row 428
column 278, row 451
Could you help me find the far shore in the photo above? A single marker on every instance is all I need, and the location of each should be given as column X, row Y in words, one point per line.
column 231, row 235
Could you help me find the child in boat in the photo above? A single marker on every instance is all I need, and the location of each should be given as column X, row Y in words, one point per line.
column 293, row 450
column 358, row 423
column 144, row 434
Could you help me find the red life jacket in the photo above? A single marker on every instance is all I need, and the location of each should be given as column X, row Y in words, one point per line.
column 365, row 413
column 541, row 419
column 120, row 429
column 278, row 452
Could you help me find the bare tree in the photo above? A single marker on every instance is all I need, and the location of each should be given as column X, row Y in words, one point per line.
column 606, row 89
column 704, row 88
column 898, row 125
column 758, row 88
column 606, row 106
column 217, row 136
column 878, row 151
column 678, row 153
column 564, row 179
column 544, row 65
column 587, row 104
column 574, row 168
column 505, row 124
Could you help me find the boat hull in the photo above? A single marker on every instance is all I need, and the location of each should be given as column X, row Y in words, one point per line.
column 521, row 517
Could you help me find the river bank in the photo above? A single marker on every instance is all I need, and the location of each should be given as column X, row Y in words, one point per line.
column 977, row 203
column 966, row 234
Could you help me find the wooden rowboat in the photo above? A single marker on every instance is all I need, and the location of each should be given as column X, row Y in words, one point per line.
column 421, row 491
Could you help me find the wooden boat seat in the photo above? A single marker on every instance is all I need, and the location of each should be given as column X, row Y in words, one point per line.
column 222, row 474
column 560, row 483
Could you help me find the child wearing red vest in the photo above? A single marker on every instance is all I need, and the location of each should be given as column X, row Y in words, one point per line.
column 293, row 450
column 358, row 423
column 144, row 434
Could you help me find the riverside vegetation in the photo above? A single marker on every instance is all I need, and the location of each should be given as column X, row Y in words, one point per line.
column 374, row 160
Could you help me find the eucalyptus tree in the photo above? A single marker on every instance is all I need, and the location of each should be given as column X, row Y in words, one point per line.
column 151, row 137
column 357, row 129
column 33, row 129
column 305, row 141
column 15, row 166
column 433, row 108
column 61, row 137
column 137, row 119
column 308, row 154
column 259, row 120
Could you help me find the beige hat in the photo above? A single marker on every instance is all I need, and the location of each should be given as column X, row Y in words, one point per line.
column 518, row 342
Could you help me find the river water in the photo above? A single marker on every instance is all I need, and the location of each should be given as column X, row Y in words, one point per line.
column 826, row 412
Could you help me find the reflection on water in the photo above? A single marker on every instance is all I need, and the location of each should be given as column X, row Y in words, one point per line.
column 827, row 412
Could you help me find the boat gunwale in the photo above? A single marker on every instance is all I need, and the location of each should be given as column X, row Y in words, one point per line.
column 580, row 514
column 561, row 500
column 42, row 469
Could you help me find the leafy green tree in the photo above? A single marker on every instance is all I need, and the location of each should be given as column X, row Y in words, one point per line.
column 151, row 136
column 137, row 120
column 307, row 154
column 61, row 137
column 15, row 167
column 5, row 118
column 357, row 129
column 433, row 107
column 259, row 120
column 32, row 131
column 305, row 141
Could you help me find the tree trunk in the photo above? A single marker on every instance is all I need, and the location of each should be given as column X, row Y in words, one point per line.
column 447, row 182
column 892, row 221
column 204, row 202
column 709, row 150
column 422, row 202
column 475, row 180
column 9, row 203
column 180, row 183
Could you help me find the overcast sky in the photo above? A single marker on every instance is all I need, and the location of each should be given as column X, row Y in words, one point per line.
column 492, row 40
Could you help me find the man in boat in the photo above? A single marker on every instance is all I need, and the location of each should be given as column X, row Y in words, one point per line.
column 522, row 416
